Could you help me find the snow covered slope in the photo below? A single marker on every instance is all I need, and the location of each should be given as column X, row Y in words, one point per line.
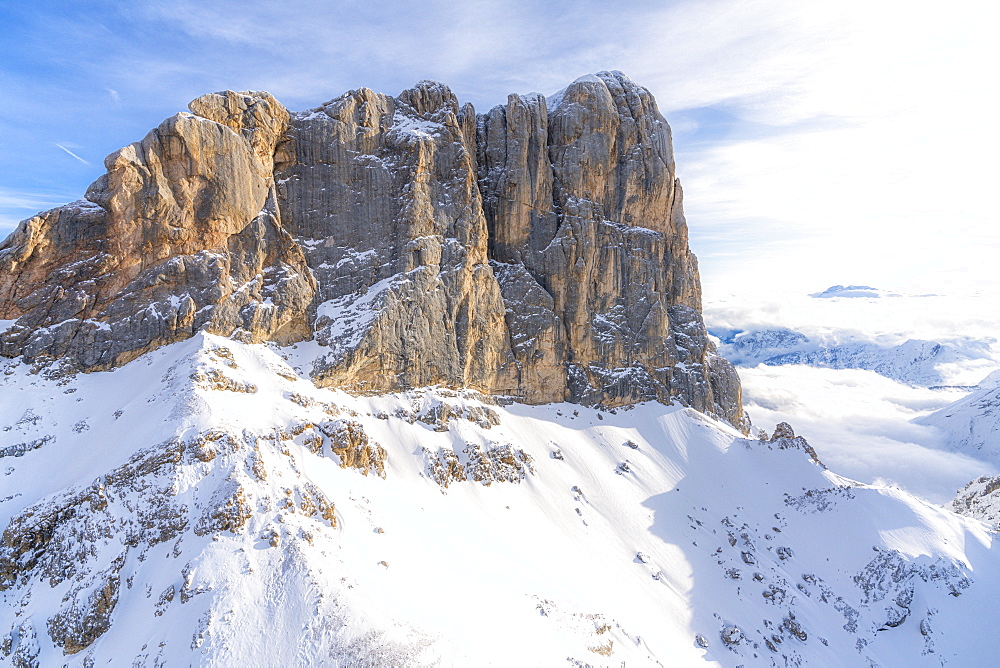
column 972, row 424
column 207, row 505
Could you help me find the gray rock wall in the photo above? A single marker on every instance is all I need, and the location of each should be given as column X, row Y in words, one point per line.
column 539, row 250
column 589, row 237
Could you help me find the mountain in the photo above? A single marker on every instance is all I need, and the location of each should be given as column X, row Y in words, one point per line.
column 915, row 361
column 388, row 383
column 533, row 252
column 972, row 424
column 852, row 291
column 207, row 503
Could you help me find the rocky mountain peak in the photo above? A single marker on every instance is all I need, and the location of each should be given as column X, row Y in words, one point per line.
column 256, row 115
column 430, row 99
column 537, row 251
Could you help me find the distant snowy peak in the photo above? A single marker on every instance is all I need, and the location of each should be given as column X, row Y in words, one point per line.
column 859, row 291
column 849, row 291
column 916, row 362
column 991, row 382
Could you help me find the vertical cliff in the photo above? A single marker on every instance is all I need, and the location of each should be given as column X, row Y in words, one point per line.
column 538, row 251
column 381, row 194
column 587, row 227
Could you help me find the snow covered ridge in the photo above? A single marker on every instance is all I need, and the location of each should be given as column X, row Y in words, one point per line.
column 914, row 361
column 206, row 504
column 972, row 424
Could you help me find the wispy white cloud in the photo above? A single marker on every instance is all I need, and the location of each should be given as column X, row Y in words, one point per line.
column 886, row 320
column 859, row 421
column 28, row 201
column 7, row 224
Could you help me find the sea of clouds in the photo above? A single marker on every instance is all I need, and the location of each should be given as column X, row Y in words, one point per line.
column 860, row 422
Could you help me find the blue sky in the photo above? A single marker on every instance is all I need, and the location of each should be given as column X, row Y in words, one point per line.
column 819, row 142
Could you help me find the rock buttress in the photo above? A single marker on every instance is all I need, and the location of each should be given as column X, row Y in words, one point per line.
column 590, row 245
column 381, row 194
column 180, row 234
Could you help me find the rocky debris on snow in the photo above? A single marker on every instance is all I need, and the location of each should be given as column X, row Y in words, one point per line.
column 980, row 499
column 20, row 449
column 443, row 466
column 731, row 635
column 889, row 575
column 440, row 414
column 483, row 464
column 350, row 443
column 819, row 500
column 134, row 508
column 497, row 463
column 784, row 438
column 215, row 379
column 228, row 510
column 22, row 646
column 86, row 617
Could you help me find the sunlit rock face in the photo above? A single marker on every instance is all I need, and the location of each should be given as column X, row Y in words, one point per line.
column 537, row 251
column 587, row 228
column 381, row 193
column 181, row 234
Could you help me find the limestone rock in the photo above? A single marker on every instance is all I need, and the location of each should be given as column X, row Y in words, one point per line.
column 382, row 194
column 538, row 251
column 586, row 215
column 256, row 115
column 180, row 234
column 980, row 499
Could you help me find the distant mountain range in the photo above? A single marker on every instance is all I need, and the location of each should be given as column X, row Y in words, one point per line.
column 915, row 362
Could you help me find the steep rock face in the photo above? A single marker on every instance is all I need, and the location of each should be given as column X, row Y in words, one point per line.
column 179, row 235
column 538, row 251
column 381, row 193
column 586, row 217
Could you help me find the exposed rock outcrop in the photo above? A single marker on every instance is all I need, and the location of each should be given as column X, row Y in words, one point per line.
column 980, row 498
column 538, row 251
column 179, row 235
column 586, row 215
column 381, row 193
